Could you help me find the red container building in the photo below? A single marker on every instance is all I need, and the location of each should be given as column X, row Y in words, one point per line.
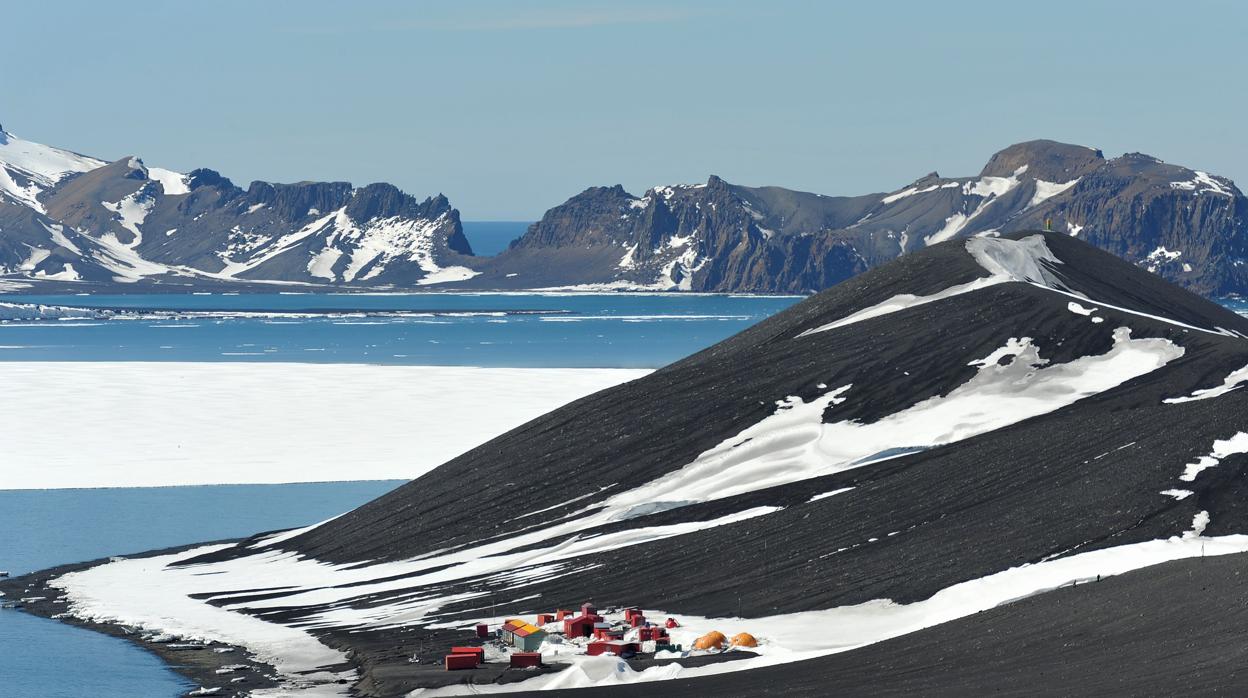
column 580, row 626
column 478, row 652
column 619, row 648
column 520, row 660
column 460, row 661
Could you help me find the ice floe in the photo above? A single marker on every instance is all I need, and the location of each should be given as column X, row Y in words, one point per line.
column 144, row 424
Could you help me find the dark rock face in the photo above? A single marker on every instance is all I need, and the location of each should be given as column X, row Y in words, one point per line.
column 1188, row 227
column 711, row 237
column 1047, row 160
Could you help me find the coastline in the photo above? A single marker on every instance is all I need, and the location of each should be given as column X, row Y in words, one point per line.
column 207, row 665
column 235, row 672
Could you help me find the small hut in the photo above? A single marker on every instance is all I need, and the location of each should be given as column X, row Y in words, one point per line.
column 522, row 635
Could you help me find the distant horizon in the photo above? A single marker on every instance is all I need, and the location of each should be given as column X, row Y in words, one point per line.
column 509, row 110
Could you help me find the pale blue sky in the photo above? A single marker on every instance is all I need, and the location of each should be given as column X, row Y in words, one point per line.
column 511, row 107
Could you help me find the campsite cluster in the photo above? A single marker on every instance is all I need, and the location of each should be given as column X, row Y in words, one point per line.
column 586, row 632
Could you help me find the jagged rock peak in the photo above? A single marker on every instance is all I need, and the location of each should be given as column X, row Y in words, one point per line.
column 204, row 177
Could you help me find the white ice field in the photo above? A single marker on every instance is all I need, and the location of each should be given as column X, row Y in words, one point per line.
column 134, row 424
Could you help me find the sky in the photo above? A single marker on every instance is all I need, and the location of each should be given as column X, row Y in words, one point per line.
column 511, row 107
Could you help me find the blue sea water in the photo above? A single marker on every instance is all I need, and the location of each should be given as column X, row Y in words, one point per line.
column 516, row 330
column 1239, row 305
column 488, row 238
column 41, row 528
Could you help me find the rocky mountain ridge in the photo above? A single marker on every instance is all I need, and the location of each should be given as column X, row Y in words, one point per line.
column 67, row 218
column 1187, row 226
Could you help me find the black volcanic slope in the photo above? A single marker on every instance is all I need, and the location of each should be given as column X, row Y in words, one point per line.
column 1170, row 630
column 1086, row 476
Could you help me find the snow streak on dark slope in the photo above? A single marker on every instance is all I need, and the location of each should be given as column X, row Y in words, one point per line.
column 1170, row 630
column 1024, row 399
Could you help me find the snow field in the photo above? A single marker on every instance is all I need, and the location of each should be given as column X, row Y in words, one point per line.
column 134, row 424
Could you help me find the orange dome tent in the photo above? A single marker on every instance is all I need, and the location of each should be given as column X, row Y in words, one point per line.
column 744, row 640
column 713, row 640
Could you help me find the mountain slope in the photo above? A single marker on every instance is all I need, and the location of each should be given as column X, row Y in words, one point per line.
column 967, row 425
column 1173, row 629
column 132, row 223
column 152, row 226
column 1188, row 226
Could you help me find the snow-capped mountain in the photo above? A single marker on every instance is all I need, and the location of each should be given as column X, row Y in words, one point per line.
column 66, row 217
column 29, row 169
column 982, row 421
column 1188, row 226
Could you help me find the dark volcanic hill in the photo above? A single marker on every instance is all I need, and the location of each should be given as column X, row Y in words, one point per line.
column 880, row 466
column 66, row 218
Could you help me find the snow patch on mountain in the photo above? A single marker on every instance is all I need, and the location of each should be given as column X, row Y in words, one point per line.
column 905, row 193
column 993, row 186
column 628, row 261
column 172, row 183
column 122, row 259
column 1221, row 449
column 1233, row 381
column 989, row 190
column 795, row 444
column 1006, row 260
column 1160, row 257
column 1048, row 190
column 131, row 212
column 1204, row 183
column 322, row 263
column 27, row 169
column 67, row 273
column 234, row 267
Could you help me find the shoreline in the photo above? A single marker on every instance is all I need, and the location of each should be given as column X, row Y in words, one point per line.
column 207, row 665
column 26, row 286
column 235, row 672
